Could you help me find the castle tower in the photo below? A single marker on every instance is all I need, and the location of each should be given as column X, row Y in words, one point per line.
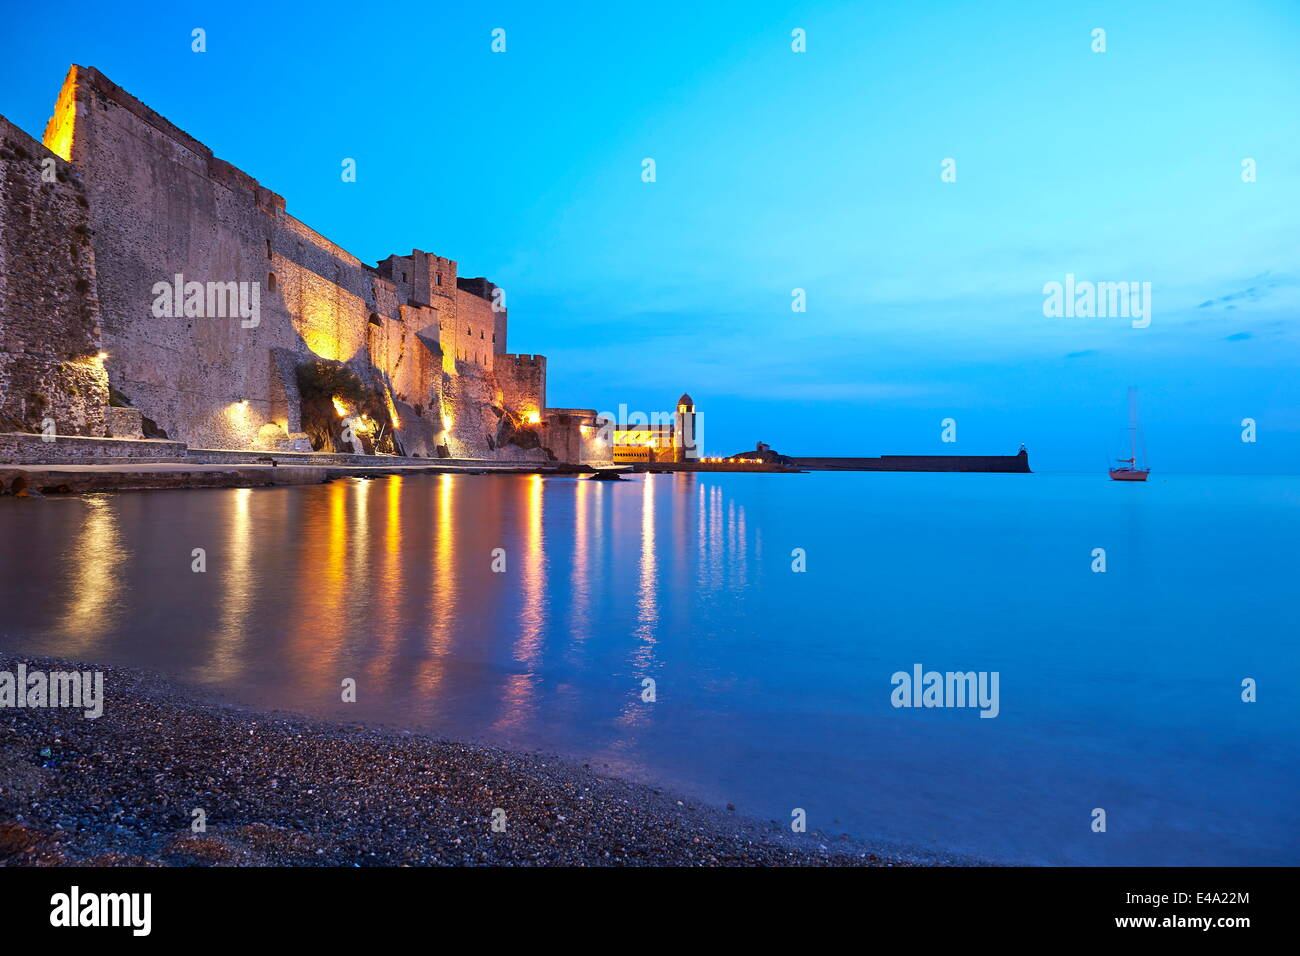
column 687, row 437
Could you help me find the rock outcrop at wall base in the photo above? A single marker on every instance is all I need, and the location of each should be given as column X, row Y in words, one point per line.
column 334, row 402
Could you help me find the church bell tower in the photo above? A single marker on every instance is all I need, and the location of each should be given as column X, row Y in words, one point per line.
column 687, row 440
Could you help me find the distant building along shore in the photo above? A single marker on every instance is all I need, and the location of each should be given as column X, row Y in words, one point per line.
column 676, row 441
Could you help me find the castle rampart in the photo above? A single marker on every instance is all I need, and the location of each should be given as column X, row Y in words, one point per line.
column 522, row 379
column 169, row 221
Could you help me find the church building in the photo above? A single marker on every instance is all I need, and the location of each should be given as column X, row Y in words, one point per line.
column 679, row 440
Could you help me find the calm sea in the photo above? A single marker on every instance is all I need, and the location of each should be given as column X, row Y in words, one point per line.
column 1119, row 690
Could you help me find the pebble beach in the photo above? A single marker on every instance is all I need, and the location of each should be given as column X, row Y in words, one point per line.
column 285, row 790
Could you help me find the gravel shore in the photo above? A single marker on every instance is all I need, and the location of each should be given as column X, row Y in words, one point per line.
column 286, row 790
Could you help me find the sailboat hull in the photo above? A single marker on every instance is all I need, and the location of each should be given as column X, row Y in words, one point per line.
column 1125, row 474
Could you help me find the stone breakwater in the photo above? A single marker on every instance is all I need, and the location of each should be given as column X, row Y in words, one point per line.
column 278, row 789
column 1009, row 464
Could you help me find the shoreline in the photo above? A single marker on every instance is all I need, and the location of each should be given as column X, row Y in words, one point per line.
column 285, row 789
column 40, row 480
column 25, row 481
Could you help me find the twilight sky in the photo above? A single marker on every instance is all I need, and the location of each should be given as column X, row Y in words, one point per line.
column 779, row 170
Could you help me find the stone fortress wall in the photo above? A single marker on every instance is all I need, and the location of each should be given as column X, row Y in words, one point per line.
column 51, row 377
column 158, row 204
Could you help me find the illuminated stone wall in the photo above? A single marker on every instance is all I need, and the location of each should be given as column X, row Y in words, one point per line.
column 574, row 435
column 522, row 379
column 50, row 369
column 474, row 334
column 161, row 204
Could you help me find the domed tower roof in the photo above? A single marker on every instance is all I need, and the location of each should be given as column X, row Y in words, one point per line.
column 685, row 400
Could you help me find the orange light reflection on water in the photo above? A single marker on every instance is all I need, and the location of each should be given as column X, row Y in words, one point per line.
column 96, row 559
column 519, row 694
column 238, row 591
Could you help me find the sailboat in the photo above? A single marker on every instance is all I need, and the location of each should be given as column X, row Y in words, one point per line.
column 1127, row 468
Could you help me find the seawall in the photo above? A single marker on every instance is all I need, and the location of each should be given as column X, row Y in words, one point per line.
column 1013, row 464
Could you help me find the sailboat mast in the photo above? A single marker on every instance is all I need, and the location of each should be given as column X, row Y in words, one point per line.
column 1132, row 424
